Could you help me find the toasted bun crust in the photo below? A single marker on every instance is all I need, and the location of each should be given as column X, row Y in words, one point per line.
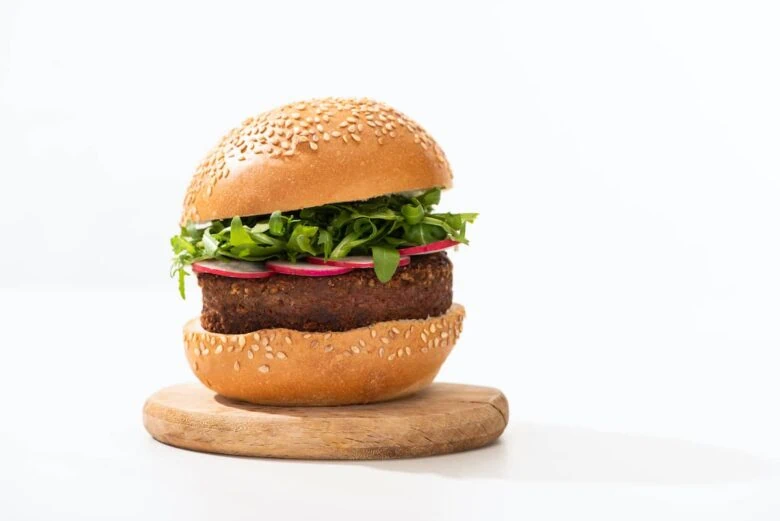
column 311, row 153
column 286, row 367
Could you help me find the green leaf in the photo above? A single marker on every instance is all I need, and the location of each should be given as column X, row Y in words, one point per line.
column 431, row 197
column 385, row 262
column 238, row 235
column 413, row 214
column 180, row 244
column 210, row 244
column 300, row 240
column 424, row 233
column 182, row 274
column 276, row 224
column 325, row 239
column 260, row 227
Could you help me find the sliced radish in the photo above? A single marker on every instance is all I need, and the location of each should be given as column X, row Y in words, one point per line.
column 305, row 269
column 432, row 247
column 233, row 268
column 356, row 261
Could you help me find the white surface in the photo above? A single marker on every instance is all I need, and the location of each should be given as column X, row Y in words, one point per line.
column 622, row 284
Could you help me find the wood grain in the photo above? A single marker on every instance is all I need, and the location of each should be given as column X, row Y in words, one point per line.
column 444, row 418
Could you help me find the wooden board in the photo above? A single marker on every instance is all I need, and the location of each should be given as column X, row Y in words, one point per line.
column 443, row 418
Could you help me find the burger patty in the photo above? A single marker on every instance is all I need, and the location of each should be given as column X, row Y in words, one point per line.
column 355, row 299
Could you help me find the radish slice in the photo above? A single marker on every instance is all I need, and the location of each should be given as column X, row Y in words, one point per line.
column 233, row 268
column 357, row 261
column 305, row 269
column 432, row 247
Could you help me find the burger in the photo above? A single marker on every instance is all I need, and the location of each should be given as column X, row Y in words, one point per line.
column 313, row 232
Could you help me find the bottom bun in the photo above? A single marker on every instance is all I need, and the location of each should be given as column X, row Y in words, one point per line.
column 279, row 366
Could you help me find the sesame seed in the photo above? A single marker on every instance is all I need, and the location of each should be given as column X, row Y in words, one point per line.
column 424, row 349
column 269, row 356
column 263, row 368
column 373, row 334
column 281, row 355
column 236, row 366
column 385, row 340
column 314, row 344
column 269, row 349
column 241, row 341
column 195, row 365
column 436, row 342
column 218, row 350
column 408, row 350
column 408, row 333
column 391, row 357
column 432, row 329
column 265, row 341
column 307, row 335
column 327, row 336
column 328, row 348
column 424, row 337
column 313, row 145
column 205, row 351
column 381, row 352
column 288, row 340
column 355, row 137
column 196, row 351
column 230, row 348
column 395, row 330
column 255, row 348
column 355, row 349
column 250, row 354
column 400, row 353
column 362, row 343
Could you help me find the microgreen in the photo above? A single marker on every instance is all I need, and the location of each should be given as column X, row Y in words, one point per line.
column 378, row 227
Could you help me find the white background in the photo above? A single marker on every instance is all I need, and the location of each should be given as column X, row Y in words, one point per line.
column 622, row 286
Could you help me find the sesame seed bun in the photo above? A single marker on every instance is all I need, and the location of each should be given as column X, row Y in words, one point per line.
column 312, row 153
column 287, row 367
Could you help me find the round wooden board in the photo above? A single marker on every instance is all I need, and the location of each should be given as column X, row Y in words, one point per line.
column 441, row 419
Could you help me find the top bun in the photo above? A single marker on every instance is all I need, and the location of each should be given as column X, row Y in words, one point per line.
column 311, row 153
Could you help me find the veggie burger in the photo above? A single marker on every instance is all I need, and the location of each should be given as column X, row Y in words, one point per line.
column 313, row 232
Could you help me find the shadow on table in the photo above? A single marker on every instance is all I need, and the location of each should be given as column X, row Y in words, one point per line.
column 552, row 453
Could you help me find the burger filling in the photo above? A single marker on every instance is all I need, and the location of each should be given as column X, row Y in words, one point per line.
column 355, row 299
column 378, row 227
